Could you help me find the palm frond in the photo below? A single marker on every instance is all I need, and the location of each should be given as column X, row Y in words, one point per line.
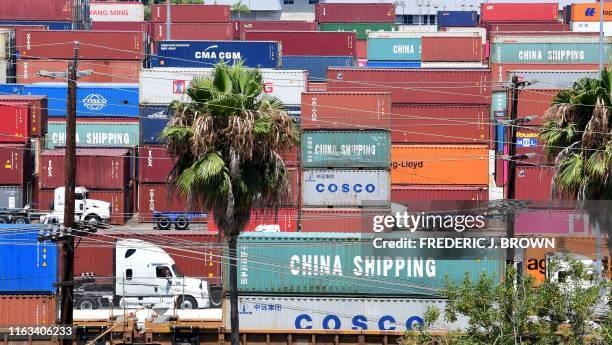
column 570, row 176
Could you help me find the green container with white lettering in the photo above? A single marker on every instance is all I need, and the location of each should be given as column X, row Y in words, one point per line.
column 96, row 133
column 548, row 53
column 361, row 29
column 346, row 149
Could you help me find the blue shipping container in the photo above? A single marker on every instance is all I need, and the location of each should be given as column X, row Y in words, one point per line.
column 208, row 53
column 500, row 138
column 153, row 120
column 93, row 99
column 49, row 25
column 457, row 18
column 393, row 64
column 27, row 266
column 11, row 89
column 317, row 65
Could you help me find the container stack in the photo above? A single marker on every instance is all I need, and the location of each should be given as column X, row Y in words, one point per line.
column 585, row 18
column 119, row 16
column 55, row 14
column 191, row 22
column 239, row 27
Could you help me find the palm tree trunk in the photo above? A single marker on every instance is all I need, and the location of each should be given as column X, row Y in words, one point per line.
column 233, row 271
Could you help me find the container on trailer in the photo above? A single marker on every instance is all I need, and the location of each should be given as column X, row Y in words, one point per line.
column 194, row 31
column 104, row 71
column 116, row 12
column 159, row 197
column 457, row 18
column 533, row 183
column 317, row 65
column 513, row 12
column 364, row 110
column 527, row 26
column 38, row 109
column 96, row 168
column 337, row 264
column 435, row 49
column 14, row 127
column 440, row 198
column 345, row 149
column 240, row 26
column 352, row 13
column 153, row 120
column 93, row 99
column 95, row 45
column 418, row 123
column 120, row 26
column 461, row 86
column 345, row 188
column 154, row 164
column 339, row 219
column 50, row 25
column 500, row 71
column 52, row 10
column 361, row 29
column 120, row 202
column 15, row 164
column 440, row 164
column 555, row 222
column 589, row 12
column 266, row 220
column 208, row 53
column 28, row 266
column 96, row 133
column 319, row 43
column 11, row 196
column 27, row 310
column 393, row 64
column 191, row 13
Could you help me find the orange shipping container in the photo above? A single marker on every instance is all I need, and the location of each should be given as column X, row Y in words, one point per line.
column 589, row 12
column 26, row 310
column 440, row 164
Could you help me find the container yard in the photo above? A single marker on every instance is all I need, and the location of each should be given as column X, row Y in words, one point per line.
column 418, row 141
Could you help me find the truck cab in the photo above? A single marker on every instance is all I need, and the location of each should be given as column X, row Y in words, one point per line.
column 85, row 209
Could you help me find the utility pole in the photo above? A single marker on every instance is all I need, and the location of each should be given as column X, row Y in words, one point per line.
column 601, row 35
column 168, row 20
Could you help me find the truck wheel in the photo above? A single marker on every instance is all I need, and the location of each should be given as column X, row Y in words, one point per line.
column 186, row 302
column 181, row 223
column 20, row 220
column 86, row 303
column 93, row 220
column 216, row 298
column 3, row 220
column 163, row 223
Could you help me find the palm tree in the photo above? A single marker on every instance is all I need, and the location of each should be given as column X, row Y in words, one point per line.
column 578, row 135
column 227, row 142
column 240, row 8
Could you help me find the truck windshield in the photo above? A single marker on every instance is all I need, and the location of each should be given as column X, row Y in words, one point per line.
column 176, row 271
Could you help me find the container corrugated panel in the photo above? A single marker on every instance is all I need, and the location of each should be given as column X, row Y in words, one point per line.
column 159, row 197
column 120, row 26
column 457, row 18
column 393, row 64
column 547, row 52
column 120, row 202
column 208, row 53
column 95, row 45
column 346, row 149
column 442, row 124
column 535, row 103
column 362, row 29
column 191, row 13
column 240, row 26
column 317, row 65
column 339, row 219
column 95, row 168
column 154, row 164
column 38, row 110
column 459, row 86
column 194, row 31
column 346, row 110
column 500, row 71
column 552, row 222
column 27, row 310
column 527, row 37
column 338, row 313
column 533, row 183
column 340, row 265
column 11, row 196
column 104, row 71
column 15, row 164
column 10, row 89
column 153, row 120
column 14, row 127
column 394, row 49
column 440, row 198
column 93, row 100
column 464, row 49
column 59, row 10
column 511, row 12
column 262, row 220
column 362, row 49
column 527, row 26
column 28, row 266
column 355, row 13
column 344, row 188
column 116, row 12
column 319, row 43
column 96, row 133
column 440, row 164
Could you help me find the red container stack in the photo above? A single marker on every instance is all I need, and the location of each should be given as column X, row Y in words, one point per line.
column 239, row 27
column 309, row 43
column 355, row 13
column 36, row 10
column 192, row 22
column 104, row 71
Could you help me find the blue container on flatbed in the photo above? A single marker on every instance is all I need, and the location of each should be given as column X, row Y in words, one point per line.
column 27, row 265
column 153, row 120
column 257, row 54
column 457, row 19
column 317, row 65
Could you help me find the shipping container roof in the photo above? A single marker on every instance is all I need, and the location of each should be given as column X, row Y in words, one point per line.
column 255, row 5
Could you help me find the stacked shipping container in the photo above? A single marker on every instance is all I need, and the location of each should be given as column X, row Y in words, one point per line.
column 192, row 22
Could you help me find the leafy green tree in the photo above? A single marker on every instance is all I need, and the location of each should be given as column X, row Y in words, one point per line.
column 240, row 8
column 178, row 2
column 227, row 142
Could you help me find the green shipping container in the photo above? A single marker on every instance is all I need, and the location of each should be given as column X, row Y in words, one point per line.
column 498, row 105
column 547, row 53
column 361, row 29
column 96, row 134
column 349, row 264
column 346, row 149
column 394, row 49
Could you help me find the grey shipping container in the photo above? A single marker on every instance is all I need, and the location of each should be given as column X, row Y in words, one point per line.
column 346, row 149
column 11, row 197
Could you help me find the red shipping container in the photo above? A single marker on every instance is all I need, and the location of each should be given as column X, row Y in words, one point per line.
column 526, row 138
column 427, row 86
column 528, row 26
column 346, row 110
column 240, row 26
column 339, row 219
column 105, row 71
column 14, row 127
column 464, row 49
column 95, row 45
column 95, row 168
column 314, row 86
column 533, row 102
column 159, row 197
column 519, row 12
column 286, row 220
column 191, row 13
column 19, row 28
column 16, row 164
column 38, row 112
column 440, row 124
column 33, row 10
column 551, row 222
column 501, row 170
column 362, row 49
column 120, row 26
column 317, row 43
column 292, row 157
column 120, row 201
column 533, row 183
column 27, row 310
column 440, row 198
column 194, row 31
column 355, row 13
column 154, row 164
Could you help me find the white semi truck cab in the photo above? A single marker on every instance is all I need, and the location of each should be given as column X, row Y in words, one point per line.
column 85, row 210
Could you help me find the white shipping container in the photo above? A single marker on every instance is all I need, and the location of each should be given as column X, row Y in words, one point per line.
column 3, row 71
column 591, row 27
column 116, row 12
column 164, row 85
column 7, row 43
column 417, row 28
column 317, row 313
column 346, row 187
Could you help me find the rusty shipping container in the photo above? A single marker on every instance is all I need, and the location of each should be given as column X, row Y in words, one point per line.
column 427, row 86
column 440, row 198
column 441, row 124
column 27, row 310
column 355, row 13
column 463, row 49
column 346, row 110
column 38, row 112
column 14, row 127
column 120, row 200
column 533, row 183
column 15, row 164
column 159, row 197
column 120, row 26
column 339, row 219
column 191, row 13
column 440, row 164
column 36, row 10
column 108, row 169
column 154, row 164
column 519, row 12
column 240, row 26
column 500, row 71
column 95, row 45
column 194, row 31
column 319, row 43
column 104, row 71
column 262, row 220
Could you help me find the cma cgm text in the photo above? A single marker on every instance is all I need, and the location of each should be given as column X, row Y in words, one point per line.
column 551, row 55
column 217, row 55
